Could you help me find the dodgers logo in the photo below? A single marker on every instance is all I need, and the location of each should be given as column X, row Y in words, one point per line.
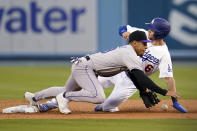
column 169, row 68
column 184, row 21
column 147, row 56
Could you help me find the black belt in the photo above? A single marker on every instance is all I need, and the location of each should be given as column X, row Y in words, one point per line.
column 87, row 57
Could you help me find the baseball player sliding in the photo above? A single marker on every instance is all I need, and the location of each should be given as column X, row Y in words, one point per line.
column 83, row 84
column 155, row 58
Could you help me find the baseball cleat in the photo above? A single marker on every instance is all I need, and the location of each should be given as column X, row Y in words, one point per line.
column 98, row 108
column 178, row 107
column 30, row 97
column 114, row 109
column 49, row 105
column 63, row 104
column 43, row 107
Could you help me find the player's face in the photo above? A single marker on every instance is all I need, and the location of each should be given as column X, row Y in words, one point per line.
column 151, row 34
column 140, row 47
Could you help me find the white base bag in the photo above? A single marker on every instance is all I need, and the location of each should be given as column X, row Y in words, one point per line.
column 21, row 109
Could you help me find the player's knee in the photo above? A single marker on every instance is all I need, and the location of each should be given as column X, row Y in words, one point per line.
column 100, row 99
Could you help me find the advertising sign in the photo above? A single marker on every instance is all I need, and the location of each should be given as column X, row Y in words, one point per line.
column 41, row 27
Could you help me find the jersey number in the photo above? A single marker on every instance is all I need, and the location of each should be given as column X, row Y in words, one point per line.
column 148, row 68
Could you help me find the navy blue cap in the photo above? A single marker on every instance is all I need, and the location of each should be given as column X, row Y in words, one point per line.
column 138, row 36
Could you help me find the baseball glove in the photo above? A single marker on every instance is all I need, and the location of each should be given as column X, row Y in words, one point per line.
column 149, row 98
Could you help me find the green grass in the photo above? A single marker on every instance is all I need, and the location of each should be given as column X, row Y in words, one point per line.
column 186, row 81
column 99, row 125
column 15, row 80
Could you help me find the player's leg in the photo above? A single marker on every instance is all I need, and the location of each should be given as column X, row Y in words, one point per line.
column 49, row 105
column 71, row 85
column 117, row 97
column 61, row 100
column 51, row 92
column 92, row 91
column 106, row 82
column 124, row 88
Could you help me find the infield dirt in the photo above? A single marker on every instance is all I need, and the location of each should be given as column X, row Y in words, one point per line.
column 131, row 109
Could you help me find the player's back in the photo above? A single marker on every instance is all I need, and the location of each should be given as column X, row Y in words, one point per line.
column 114, row 61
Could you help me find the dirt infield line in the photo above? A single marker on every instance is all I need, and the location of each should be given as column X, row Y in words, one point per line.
column 131, row 109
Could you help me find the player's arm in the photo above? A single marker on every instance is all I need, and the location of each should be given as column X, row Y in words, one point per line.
column 142, row 82
column 166, row 72
column 126, row 30
column 170, row 82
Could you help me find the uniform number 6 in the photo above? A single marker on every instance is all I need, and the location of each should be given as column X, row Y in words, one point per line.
column 148, row 68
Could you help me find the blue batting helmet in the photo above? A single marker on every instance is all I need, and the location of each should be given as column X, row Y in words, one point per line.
column 160, row 26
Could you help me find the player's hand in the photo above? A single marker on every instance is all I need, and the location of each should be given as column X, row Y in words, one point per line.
column 125, row 35
column 149, row 98
column 172, row 93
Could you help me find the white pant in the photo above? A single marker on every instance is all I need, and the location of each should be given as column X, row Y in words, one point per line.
column 123, row 89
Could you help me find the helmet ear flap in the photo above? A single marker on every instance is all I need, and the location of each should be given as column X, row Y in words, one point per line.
column 158, row 35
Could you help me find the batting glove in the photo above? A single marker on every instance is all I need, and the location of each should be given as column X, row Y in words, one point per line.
column 122, row 29
column 178, row 107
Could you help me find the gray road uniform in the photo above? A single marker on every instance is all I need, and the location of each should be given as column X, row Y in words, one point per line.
column 83, row 74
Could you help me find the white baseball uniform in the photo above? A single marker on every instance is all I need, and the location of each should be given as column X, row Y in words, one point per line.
column 83, row 74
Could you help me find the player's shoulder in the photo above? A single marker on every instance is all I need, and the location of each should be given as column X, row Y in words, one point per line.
column 165, row 52
column 125, row 47
column 122, row 49
column 127, row 51
column 158, row 51
column 163, row 48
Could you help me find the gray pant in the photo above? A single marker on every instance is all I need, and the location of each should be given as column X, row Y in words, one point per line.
column 83, row 78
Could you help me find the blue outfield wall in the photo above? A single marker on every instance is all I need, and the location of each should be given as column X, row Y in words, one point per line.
column 111, row 14
column 97, row 27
